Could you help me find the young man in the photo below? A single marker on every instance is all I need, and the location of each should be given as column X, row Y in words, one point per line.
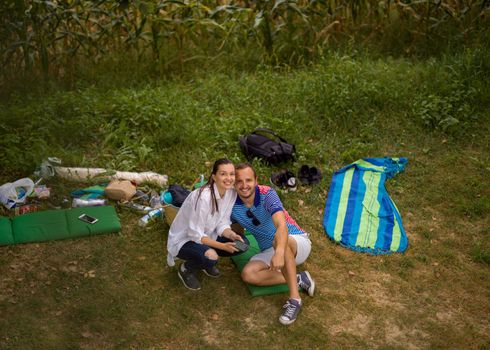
column 282, row 242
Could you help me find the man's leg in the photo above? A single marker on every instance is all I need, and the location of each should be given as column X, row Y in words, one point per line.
column 258, row 273
column 289, row 270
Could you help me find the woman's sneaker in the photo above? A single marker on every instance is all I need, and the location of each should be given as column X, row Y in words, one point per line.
column 212, row 272
column 306, row 283
column 188, row 278
column 290, row 312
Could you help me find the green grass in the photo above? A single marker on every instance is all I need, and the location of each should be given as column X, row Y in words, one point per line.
column 433, row 296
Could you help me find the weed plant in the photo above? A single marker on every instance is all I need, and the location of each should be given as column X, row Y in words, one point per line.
column 345, row 100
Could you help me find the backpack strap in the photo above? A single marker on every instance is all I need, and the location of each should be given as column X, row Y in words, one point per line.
column 268, row 131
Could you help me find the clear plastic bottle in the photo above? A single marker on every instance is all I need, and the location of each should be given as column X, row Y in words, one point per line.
column 200, row 181
column 138, row 207
column 155, row 201
column 150, row 216
column 78, row 202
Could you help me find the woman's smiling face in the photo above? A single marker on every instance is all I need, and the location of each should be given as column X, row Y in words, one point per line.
column 225, row 177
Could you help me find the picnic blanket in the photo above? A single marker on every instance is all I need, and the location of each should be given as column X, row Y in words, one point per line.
column 359, row 213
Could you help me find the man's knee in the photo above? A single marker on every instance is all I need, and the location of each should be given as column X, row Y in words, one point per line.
column 211, row 254
column 249, row 274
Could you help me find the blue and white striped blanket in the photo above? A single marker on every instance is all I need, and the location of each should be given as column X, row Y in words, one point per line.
column 359, row 213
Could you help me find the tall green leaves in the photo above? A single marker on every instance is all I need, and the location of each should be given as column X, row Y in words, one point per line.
column 55, row 37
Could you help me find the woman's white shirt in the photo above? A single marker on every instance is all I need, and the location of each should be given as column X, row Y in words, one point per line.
column 195, row 219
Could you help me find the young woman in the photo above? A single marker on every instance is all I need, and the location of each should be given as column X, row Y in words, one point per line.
column 201, row 230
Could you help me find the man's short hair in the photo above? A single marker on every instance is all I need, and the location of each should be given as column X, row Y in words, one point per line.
column 241, row 166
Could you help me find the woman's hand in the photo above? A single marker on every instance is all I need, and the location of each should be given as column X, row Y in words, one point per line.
column 230, row 247
column 232, row 235
column 236, row 237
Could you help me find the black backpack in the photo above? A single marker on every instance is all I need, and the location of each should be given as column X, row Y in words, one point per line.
column 179, row 194
column 260, row 144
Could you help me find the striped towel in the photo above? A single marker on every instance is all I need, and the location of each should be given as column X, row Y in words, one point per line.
column 359, row 213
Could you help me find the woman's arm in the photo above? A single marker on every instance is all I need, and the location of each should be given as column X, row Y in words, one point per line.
column 231, row 235
column 228, row 247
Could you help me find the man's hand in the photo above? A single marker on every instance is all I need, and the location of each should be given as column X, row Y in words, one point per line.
column 277, row 261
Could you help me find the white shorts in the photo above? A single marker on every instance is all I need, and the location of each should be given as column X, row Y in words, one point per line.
column 303, row 249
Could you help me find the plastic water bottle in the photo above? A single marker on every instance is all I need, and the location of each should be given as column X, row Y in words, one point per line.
column 137, row 207
column 78, row 202
column 155, row 201
column 200, row 181
column 150, row 216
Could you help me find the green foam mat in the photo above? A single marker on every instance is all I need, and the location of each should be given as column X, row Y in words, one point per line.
column 58, row 224
column 107, row 221
column 6, row 236
column 40, row 226
column 242, row 259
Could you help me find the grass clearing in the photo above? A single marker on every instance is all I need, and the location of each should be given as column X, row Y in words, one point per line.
column 115, row 291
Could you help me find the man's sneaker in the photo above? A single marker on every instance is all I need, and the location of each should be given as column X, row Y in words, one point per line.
column 290, row 312
column 188, row 278
column 306, row 283
column 212, row 272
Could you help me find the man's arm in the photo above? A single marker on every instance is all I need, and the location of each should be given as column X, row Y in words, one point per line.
column 280, row 240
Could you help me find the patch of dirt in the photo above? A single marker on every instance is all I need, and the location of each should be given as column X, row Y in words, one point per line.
column 407, row 339
column 358, row 325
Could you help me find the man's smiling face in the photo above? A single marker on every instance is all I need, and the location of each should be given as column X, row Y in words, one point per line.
column 245, row 183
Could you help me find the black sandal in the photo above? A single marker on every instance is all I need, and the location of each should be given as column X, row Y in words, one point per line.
column 304, row 174
column 315, row 176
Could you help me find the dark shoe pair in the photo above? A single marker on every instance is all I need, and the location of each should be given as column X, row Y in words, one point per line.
column 284, row 179
column 189, row 278
column 309, row 175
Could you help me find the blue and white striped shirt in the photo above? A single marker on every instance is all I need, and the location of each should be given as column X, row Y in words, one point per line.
column 266, row 204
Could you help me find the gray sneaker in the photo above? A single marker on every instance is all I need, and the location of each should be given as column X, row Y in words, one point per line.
column 212, row 272
column 306, row 283
column 188, row 278
column 291, row 310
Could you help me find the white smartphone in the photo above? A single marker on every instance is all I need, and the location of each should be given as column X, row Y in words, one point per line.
column 88, row 219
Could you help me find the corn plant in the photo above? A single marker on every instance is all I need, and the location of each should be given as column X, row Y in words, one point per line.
column 56, row 37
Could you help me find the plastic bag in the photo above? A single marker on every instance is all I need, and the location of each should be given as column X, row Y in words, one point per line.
column 16, row 192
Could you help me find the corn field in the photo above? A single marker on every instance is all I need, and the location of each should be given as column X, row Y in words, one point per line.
column 52, row 38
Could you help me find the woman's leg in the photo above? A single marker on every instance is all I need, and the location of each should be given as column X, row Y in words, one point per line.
column 197, row 256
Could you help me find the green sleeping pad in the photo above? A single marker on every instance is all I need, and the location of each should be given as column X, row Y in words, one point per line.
column 6, row 236
column 58, row 224
column 242, row 259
